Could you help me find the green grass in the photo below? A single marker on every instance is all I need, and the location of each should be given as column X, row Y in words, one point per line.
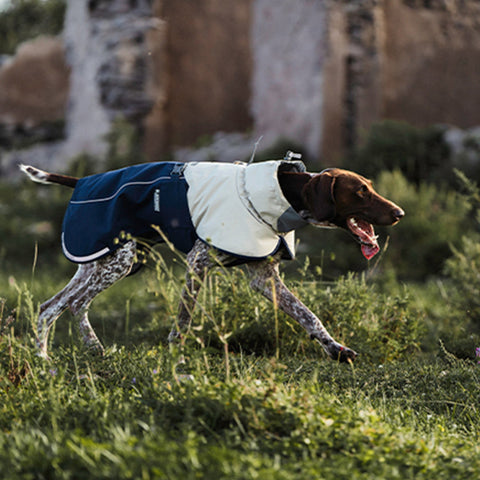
column 264, row 402
column 269, row 408
column 127, row 416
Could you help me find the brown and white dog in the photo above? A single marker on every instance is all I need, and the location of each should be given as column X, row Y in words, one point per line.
column 334, row 197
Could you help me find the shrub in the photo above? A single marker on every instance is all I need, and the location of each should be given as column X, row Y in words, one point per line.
column 419, row 153
column 381, row 327
column 124, row 146
column 464, row 268
column 435, row 219
column 33, row 221
column 457, row 321
column 26, row 19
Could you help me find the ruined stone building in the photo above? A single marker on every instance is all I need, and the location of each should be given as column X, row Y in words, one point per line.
column 314, row 72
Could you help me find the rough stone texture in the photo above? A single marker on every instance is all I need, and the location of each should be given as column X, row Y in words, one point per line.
column 353, row 73
column 288, row 45
column 209, row 68
column 334, row 84
column 107, row 47
column 155, row 123
column 107, row 44
column 86, row 119
column 411, row 60
column 34, row 87
column 34, row 84
column 432, row 62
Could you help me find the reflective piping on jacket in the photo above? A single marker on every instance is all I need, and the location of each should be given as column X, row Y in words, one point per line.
column 86, row 258
column 111, row 197
column 245, row 198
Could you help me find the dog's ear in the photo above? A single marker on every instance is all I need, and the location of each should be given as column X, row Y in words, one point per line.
column 318, row 196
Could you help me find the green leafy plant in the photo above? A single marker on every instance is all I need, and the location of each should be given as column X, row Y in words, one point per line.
column 26, row 19
column 464, row 268
column 436, row 218
column 419, row 153
column 124, row 146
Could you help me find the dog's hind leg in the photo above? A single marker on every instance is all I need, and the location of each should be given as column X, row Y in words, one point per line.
column 89, row 337
column 266, row 279
column 89, row 280
column 104, row 273
column 55, row 306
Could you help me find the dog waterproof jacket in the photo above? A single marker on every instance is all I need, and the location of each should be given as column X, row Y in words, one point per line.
column 235, row 208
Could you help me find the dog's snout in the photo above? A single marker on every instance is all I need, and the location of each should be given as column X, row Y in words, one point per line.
column 398, row 213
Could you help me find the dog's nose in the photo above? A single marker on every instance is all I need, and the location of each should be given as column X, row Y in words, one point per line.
column 398, row 213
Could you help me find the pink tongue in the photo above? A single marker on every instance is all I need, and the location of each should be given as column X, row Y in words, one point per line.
column 369, row 251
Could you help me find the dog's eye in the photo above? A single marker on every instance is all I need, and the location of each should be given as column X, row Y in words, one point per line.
column 362, row 191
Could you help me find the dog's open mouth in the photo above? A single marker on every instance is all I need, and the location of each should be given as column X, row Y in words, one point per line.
column 365, row 234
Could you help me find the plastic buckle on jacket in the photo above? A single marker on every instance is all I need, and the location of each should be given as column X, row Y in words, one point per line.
column 290, row 155
column 178, row 169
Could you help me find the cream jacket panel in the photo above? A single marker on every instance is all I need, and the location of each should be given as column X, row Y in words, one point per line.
column 241, row 209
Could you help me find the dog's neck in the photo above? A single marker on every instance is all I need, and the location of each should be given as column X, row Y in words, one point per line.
column 292, row 184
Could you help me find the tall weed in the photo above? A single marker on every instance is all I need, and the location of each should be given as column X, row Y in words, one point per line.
column 381, row 327
column 15, row 346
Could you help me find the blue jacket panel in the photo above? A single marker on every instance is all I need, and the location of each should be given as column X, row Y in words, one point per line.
column 128, row 200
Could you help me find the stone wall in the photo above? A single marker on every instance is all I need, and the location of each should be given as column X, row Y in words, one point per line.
column 288, row 46
column 411, row 60
column 34, row 84
column 432, row 62
column 208, row 67
column 314, row 72
column 108, row 45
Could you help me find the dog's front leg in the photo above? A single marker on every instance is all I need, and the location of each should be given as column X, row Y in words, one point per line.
column 266, row 279
column 198, row 263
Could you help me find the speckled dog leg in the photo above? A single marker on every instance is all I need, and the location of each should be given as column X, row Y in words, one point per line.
column 55, row 306
column 89, row 280
column 88, row 335
column 198, row 263
column 267, row 280
column 105, row 272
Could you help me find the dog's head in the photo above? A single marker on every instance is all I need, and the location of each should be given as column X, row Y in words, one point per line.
column 347, row 200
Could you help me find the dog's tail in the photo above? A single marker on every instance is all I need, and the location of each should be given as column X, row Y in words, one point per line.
column 40, row 176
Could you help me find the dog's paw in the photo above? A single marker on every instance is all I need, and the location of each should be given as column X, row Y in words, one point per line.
column 95, row 349
column 345, row 355
column 42, row 353
column 338, row 352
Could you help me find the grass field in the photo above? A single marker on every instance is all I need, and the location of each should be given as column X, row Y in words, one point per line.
column 256, row 399
column 264, row 401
